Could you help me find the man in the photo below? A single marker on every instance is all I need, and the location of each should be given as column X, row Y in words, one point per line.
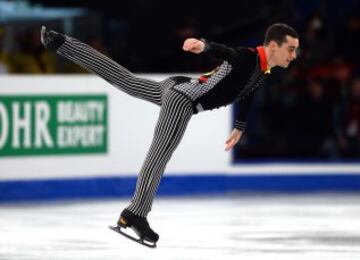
column 241, row 73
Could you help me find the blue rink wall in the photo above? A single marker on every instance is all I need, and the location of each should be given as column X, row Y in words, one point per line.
column 76, row 137
column 111, row 187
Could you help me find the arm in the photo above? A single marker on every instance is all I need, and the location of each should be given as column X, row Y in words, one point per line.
column 243, row 110
column 215, row 50
column 240, row 122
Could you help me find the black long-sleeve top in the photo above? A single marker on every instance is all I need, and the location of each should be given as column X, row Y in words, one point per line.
column 241, row 73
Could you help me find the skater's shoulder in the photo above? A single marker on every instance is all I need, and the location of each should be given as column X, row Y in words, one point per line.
column 247, row 51
column 247, row 55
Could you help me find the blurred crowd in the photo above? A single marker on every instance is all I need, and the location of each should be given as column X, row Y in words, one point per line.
column 313, row 112
column 310, row 111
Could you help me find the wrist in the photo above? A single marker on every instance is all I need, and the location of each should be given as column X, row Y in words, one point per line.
column 240, row 125
column 206, row 45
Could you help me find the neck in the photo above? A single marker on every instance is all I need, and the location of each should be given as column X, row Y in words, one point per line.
column 268, row 55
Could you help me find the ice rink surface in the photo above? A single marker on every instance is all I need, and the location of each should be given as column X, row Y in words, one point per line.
column 230, row 227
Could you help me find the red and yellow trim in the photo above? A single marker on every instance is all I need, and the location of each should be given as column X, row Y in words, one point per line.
column 205, row 77
column 265, row 68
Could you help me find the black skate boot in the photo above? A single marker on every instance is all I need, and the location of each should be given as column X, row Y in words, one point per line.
column 140, row 225
column 51, row 39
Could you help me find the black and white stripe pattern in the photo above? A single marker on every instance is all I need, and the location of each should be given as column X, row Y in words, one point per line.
column 175, row 114
column 240, row 125
column 176, row 111
column 94, row 61
column 194, row 90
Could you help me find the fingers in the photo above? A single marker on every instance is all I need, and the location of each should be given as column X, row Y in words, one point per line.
column 190, row 44
column 230, row 144
column 233, row 139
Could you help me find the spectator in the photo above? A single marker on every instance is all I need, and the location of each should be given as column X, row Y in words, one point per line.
column 31, row 57
column 350, row 131
column 348, row 39
column 317, row 43
column 317, row 122
column 4, row 57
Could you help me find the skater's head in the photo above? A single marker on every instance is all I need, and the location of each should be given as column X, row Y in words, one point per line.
column 281, row 43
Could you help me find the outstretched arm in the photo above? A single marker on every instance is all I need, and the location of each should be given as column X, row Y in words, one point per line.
column 216, row 50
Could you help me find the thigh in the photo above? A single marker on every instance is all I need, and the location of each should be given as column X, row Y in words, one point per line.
column 175, row 113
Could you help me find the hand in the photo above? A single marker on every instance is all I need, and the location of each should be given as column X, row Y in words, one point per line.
column 194, row 45
column 233, row 139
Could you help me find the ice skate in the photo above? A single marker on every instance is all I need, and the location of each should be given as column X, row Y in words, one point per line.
column 140, row 225
column 51, row 40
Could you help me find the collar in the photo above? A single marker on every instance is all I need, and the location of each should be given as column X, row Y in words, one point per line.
column 263, row 61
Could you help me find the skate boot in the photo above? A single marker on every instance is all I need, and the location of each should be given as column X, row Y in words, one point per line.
column 51, row 40
column 140, row 225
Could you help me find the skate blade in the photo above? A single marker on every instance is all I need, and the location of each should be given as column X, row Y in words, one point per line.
column 137, row 240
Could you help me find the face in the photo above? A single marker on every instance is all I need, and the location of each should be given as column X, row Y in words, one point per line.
column 285, row 53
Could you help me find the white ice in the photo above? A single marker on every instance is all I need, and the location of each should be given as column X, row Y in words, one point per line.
column 238, row 227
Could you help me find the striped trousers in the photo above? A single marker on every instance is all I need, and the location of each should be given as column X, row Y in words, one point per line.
column 175, row 113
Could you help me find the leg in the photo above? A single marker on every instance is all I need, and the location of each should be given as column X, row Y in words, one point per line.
column 94, row 61
column 175, row 114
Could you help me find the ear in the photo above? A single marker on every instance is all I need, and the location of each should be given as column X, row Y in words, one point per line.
column 273, row 45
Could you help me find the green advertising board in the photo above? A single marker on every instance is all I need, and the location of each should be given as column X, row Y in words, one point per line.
column 52, row 125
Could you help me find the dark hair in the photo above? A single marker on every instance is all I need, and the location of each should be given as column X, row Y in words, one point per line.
column 278, row 32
